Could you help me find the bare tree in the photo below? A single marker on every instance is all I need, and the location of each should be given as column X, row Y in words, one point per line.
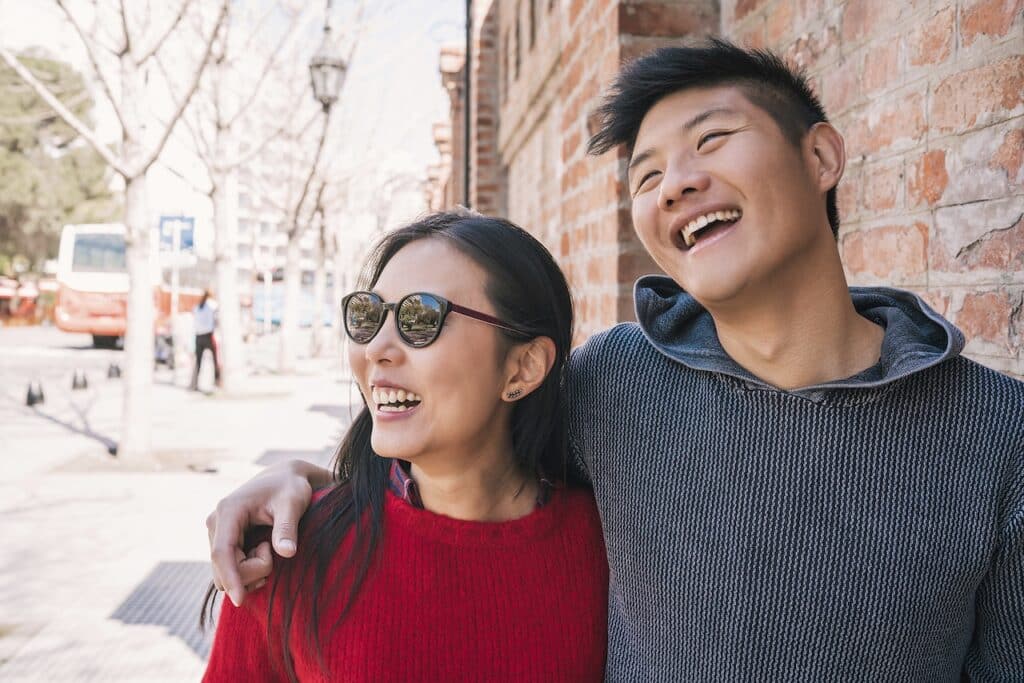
column 231, row 104
column 121, row 71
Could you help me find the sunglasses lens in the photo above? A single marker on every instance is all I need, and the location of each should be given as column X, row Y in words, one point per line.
column 419, row 319
column 363, row 316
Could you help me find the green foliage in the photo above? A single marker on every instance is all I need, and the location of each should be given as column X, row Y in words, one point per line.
column 48, row 175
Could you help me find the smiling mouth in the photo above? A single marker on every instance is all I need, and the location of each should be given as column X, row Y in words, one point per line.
column 708, row 223
column 394, row 400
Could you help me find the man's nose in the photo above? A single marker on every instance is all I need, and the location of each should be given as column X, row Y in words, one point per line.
column 680, row 182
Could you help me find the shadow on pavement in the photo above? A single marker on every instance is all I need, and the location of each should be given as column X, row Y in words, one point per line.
column 338, row 411
column 318, row 456
column 86, row 431
column 171, row 596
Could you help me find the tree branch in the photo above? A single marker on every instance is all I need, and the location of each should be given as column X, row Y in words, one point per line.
column 276, row 53
column 170, row 29
column 205, row 191
column 65, row 113
column 294, row 222
column 124, row 29
column 88, row 41
column 191, row 90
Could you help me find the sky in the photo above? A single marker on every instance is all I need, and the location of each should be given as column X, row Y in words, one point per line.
column 391, row 98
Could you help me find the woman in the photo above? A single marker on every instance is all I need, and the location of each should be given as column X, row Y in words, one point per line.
column 444, row 552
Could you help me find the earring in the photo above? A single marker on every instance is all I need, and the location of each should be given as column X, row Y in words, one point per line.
column 512, row 395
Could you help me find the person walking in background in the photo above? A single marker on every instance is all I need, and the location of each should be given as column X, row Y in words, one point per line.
column 204, row 321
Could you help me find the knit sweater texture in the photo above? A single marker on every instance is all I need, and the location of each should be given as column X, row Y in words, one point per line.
column 448, row 600
column 870, row 529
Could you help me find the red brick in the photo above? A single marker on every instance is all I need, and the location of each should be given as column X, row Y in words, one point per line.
column 848, row 194
column 864, row 18
column 979, row 96
column 882, row 185
column 938, row 300
column 840, row 88
column 753, row 37
column 897, row 119
column 881, row 66
column 745, row 7
column 932, row 42
column 989, row 316
column 895, row 254
column 658, row 19
column 1010, row 154
column 927, row 179
column 810, row 49
column 992, row 18
column 979, row 237
column 779, row 22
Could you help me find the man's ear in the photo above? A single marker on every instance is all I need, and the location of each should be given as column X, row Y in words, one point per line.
column 527, row 365
column 826, row 154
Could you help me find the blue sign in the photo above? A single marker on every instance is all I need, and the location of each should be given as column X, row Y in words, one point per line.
column 186, row 226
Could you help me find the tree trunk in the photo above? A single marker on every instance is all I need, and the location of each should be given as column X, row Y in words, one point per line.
column 139, row 340
column 230, row 348
column 290, row 312
column 341, row 288
column 318, row 345
column 137, row 403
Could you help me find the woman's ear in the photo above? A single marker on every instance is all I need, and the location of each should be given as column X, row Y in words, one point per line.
column 528, row 364
column 827, row 155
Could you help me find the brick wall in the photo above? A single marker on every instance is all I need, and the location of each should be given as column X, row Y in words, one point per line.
column 929, row 98
column 928, row 94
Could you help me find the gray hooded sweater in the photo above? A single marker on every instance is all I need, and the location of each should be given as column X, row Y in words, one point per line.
column 870, row 529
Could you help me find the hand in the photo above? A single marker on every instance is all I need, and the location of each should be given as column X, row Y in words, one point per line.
column 276, row 497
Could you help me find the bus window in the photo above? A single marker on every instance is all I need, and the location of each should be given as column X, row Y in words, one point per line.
column 98, row 253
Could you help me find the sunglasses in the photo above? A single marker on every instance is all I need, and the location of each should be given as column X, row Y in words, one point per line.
column 419, row 317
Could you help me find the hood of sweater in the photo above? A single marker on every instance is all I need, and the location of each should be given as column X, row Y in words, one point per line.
column 916, row 337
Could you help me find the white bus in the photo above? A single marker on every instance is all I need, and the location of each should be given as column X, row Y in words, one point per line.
column 92, row 282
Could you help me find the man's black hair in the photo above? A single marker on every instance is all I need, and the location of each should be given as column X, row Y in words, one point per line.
column 763, row 77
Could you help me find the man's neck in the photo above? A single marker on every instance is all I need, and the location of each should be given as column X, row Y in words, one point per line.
column 805, row 332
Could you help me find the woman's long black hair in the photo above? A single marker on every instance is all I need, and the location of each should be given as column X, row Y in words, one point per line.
column 528, row 291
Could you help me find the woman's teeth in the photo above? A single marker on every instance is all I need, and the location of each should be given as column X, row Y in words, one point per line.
column 395, row 400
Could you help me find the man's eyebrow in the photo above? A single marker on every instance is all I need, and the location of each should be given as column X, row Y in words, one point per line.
column 688, row 126
column 704, row 116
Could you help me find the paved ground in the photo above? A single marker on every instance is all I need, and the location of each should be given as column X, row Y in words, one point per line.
column 103, row 564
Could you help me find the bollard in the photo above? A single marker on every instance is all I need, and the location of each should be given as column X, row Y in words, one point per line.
column 35, row 394
column 114, row 371
column 79, row 381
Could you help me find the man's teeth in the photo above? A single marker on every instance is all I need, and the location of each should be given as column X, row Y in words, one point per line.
column 394, row 400
column 690, row 229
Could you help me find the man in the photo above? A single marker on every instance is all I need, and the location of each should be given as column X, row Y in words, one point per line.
column 204, row 317
column 797, row 480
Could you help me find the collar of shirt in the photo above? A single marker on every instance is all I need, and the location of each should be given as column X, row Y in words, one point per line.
column 402, row 484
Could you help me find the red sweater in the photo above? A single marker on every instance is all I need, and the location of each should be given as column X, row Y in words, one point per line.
column 450, row 600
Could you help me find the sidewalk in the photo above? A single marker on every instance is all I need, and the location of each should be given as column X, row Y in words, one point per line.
column 103, row 566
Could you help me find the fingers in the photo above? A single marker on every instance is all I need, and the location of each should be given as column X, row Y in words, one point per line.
column 257, row 565
column 226, row 553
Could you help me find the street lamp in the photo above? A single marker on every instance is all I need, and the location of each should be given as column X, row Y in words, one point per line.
column 326, row 68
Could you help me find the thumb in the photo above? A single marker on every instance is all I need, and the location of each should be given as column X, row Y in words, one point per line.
column 285, row 534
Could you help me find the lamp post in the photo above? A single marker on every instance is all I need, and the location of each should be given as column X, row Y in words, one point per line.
column 327, row 73
column 326, row 68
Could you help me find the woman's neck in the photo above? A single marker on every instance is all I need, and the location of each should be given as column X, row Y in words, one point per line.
column 492, row 489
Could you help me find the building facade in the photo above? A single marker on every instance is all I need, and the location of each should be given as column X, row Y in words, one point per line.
column 929, row 95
